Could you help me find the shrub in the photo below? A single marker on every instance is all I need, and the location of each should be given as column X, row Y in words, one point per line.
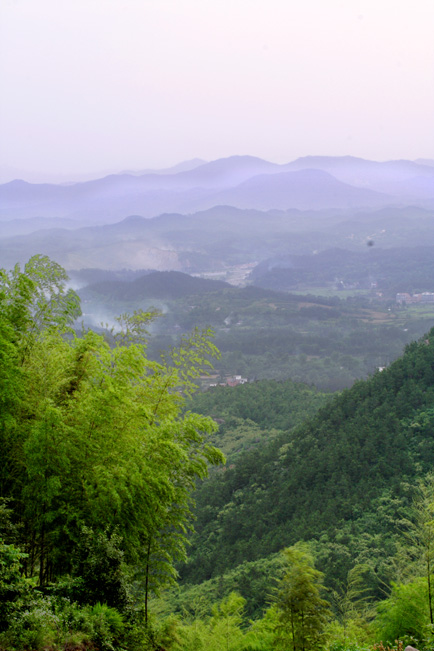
column 107, row 627
column 403, row 615
column 32, row 624
column 100, row 568
column 13, row 586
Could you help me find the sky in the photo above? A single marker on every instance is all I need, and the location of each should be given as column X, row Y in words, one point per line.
column 91, row 86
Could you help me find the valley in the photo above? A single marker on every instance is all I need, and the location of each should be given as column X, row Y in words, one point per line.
column 279, row 383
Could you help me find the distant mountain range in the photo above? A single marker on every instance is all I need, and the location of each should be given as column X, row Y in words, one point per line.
column 201, row 217
column 240, row 181
column 180, row 167
column 307, row 189
column 8, row 173
column 213, row 240
column 405, row 180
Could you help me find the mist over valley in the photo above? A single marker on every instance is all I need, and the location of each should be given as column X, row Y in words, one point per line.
column 216, row 325
column 296, row 267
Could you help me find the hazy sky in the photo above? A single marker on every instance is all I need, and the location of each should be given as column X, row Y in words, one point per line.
column 90, row 85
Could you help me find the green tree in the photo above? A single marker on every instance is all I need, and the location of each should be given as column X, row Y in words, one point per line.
column 404, row 614
column 420, row 534
column 220, row 632
column 101, row 572
column 352, row 605
column 98, row 437
column 37, row 298
column 302, row 612
column 226, row 622
column 31, row 301
column 12, row 583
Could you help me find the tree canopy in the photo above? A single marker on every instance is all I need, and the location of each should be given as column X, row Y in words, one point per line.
column 93, row 435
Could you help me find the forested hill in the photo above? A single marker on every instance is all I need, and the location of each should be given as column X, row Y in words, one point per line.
column 267, row 403
column 257, row 412
column 161, row 284
column 346, row 469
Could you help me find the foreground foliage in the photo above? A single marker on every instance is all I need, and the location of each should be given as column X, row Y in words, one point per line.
column 302, row 612
column 99, row 461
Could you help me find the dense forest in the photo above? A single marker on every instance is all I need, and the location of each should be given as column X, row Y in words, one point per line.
column 327, row 341
column 139, row 513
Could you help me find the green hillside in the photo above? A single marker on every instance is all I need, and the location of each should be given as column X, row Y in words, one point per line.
column 157, row 284
column 263, row 334
column 319, row 526
column 268, row 403
column 346, row 473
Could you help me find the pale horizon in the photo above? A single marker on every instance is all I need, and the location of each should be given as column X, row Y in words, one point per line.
column 100, row 86
column 8, row 174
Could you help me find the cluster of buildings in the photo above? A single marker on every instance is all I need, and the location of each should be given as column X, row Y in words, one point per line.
column 208, row 381
column 425, row 297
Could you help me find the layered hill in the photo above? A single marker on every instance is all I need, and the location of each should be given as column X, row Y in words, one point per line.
column 161, row 285
column 403, row 179
column 308, row 189
column 243, row 181
column 213, row 239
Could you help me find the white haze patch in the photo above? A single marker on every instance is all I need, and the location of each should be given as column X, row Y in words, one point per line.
column 97, row 317
column 75, row 284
